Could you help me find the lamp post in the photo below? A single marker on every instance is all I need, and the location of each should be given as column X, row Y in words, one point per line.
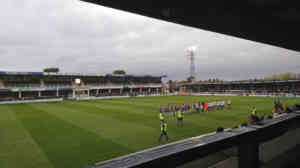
column 77, row 84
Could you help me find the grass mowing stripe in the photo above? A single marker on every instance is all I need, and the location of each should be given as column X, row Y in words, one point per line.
column 131, row 134
column 128, row 107
column 121, row 113
column 17, row 148
column 125, row 114
column 175, row 133
column 66, row 145
column 125, row 133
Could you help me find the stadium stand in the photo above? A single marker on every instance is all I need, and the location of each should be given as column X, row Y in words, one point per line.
column 291, row 87
column 39, row 85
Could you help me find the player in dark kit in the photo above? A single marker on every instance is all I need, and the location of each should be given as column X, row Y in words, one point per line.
column 175, row 110
column 167, row 109
column 172, row 109
column 198, row 107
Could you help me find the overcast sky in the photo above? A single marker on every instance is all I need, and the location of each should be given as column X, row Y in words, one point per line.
column 86, row 38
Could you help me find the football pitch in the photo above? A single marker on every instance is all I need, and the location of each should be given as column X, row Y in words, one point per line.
column 76, row 134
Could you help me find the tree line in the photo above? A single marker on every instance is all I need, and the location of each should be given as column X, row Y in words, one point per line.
column 283, row 76
column 56, row 70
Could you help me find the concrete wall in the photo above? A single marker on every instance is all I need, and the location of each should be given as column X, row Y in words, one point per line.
column 273, row 153
column 280, row 152
column 226, row 158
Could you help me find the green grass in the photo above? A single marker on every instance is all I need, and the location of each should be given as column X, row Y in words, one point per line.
column 78, row 134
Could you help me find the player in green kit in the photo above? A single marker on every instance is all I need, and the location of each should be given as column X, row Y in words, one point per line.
column 161, row 116
column 180, row 117
column 253, row 111
column 163, row 129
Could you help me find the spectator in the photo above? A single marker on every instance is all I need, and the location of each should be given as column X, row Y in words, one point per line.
column 252, row 119
column 245, row 124
column 219, row 129
column 255, row 118
column 284, row 108
column 266, row 117
column 270, row 117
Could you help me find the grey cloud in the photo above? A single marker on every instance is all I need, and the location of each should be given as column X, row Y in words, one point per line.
column 86, row 38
